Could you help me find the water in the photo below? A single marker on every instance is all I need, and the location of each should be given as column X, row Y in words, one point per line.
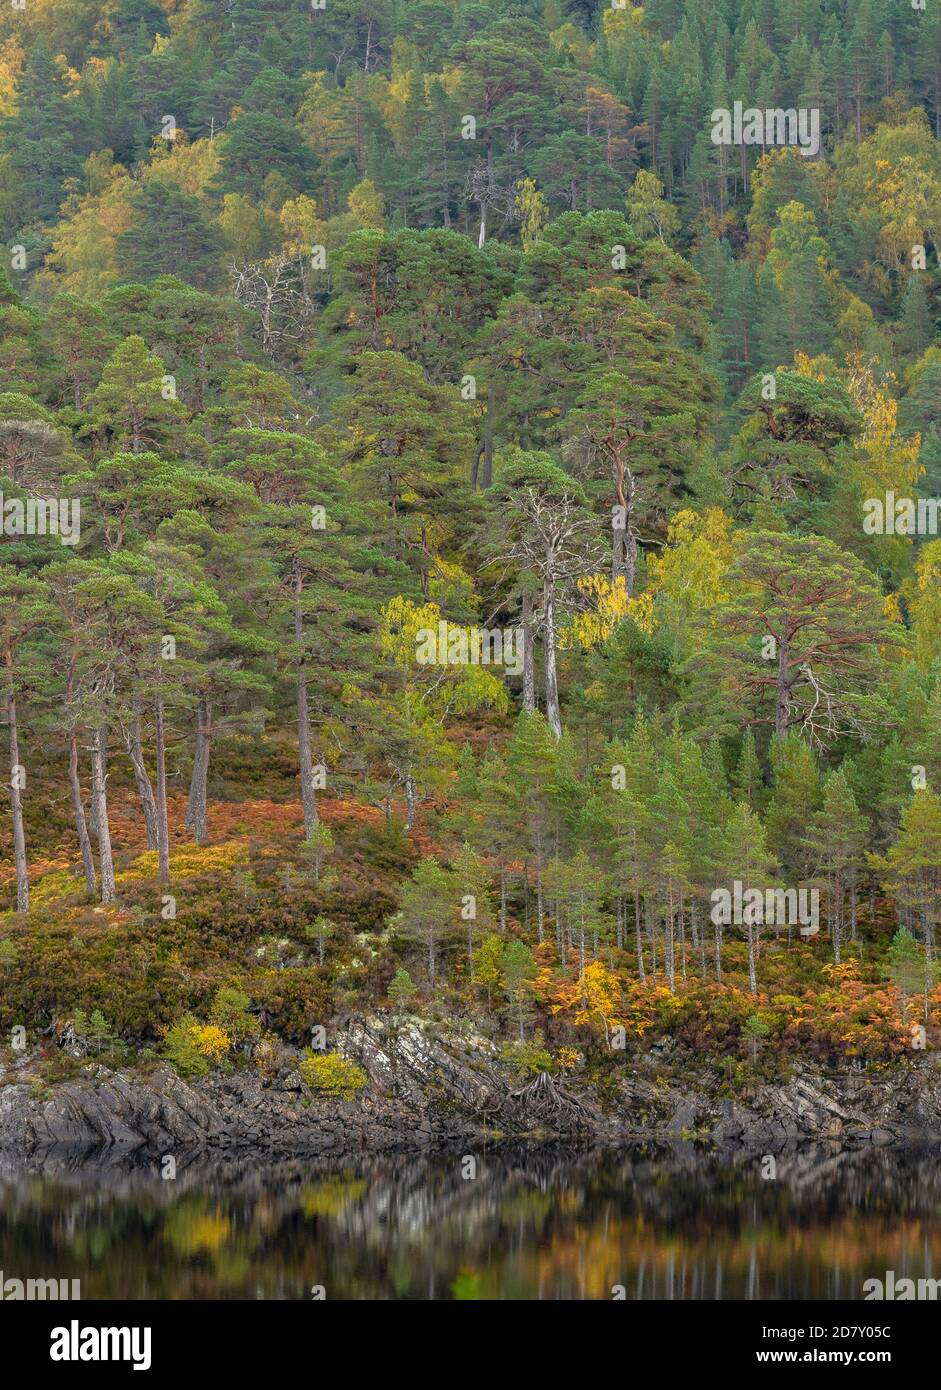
column 534, row 1223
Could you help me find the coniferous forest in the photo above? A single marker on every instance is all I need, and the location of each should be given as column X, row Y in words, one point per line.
column 469, row 537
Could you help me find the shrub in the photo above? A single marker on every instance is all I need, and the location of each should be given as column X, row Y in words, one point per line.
column 332, row 1075
column 402, row 989
column 318, row 846
column 95, row 1034
column 290, row 999
column 269, row 1055
column 211, row 1041
column 530, row 1058
column 191, row 1047
column 230, row 1011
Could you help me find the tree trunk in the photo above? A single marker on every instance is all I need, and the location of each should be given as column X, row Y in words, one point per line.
column 669, row 940
column 618, row 554
column 783, row 688
column 411, row 803
column 163, row 829
column 100, row 804
column 486, row 477
column 853, row 906
column 699, row 937
column 529, row 668
column 308, row 791
column 623, row 540
column 16, row 798
column 552, row 684
column 92, row 808
column 637, row 938
column 141, row 777
column 198, row 800
column 81, row 826
column 752, row 976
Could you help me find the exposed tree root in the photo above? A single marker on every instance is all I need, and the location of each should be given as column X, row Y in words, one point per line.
column 547, row 1099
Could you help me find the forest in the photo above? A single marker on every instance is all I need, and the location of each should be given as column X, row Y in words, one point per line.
column 469, row 539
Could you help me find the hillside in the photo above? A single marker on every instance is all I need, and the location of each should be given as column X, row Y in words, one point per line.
column 469, row 479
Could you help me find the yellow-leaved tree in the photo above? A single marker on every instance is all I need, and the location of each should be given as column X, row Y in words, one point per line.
column 431, row 675
column 83, row 258
column 608, row 605
column 884, row 460
column 923, row 595
column 895, row 173
column 590, row 1000
column 532, row 211
column 689, row 575
column 365, row 203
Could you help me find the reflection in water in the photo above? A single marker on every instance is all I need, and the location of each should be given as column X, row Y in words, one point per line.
column 534, row 1223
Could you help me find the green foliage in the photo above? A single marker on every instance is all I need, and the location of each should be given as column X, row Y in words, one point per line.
column 181, row 1048
column 528, row 1058
column 324, row 375
column 332, row 1075
column 402, row 989
column 905, row 963
column 94, row 1031
column 171, row 237
column 230, row 1011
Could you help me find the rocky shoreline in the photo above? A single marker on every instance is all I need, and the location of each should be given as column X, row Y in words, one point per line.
column 430, row 1087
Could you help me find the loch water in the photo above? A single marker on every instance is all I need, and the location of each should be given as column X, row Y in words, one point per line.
column 525, row 1222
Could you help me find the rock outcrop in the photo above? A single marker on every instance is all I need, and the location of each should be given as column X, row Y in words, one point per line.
column 430, row 1086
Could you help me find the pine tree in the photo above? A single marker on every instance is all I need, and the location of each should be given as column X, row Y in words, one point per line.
column 39, row 138
column 835, row 839
column 916, row 329
column 746, row 858
column 911, row 870
column 532, row 764
column 426, row 913
column 792, row 800
column 748, row 782
column 519, row 968
column 22, row 612
column 797, row 310
column 905, row 966
column 475, row 909
column 170, row 237
column 134, row 406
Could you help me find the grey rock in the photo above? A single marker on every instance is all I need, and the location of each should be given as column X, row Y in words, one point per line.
column 433, row 1085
